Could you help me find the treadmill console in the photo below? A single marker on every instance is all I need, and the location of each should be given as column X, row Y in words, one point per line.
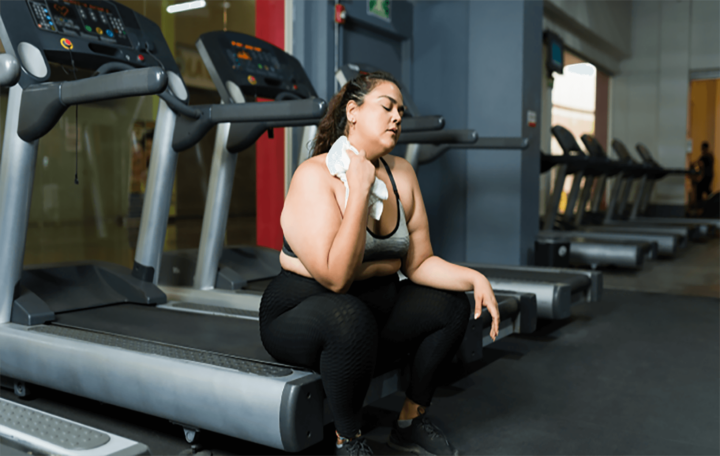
column 71, row 17
column 242, row 63
column 86, row 33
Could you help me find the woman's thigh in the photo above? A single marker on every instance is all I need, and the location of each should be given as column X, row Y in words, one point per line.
column 336, row 324
column 420, row 311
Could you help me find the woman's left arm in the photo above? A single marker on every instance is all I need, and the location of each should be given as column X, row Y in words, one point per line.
column 424, row 268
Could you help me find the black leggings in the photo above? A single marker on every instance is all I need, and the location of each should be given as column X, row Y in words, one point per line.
column 342, row 336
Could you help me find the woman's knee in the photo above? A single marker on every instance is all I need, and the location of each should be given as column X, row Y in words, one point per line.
column 457, row 308
column 347, row 320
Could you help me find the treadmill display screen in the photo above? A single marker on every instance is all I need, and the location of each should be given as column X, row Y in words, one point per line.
column 90, row 19
column 252, row 59
column 556, row 53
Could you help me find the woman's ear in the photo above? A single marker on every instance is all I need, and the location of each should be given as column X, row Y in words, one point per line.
column 351, row 112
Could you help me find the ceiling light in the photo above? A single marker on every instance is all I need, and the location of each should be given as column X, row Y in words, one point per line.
column 187, row 6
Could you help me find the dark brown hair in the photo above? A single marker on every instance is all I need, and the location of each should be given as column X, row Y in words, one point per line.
column 334, row 124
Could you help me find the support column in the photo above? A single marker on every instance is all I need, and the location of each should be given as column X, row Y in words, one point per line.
column 504, row 54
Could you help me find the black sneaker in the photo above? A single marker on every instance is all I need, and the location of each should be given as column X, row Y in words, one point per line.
column 355, row 447
column 421, row 437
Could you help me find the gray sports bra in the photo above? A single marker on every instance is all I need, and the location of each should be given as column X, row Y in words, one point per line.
column 394, row 245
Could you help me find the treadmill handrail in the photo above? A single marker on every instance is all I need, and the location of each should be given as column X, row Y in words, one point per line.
column 438, row 137
column 428, row 152
column 43, row 104
column 423, row 123
column 244, row 135
column 9, row 70
column 189, row 131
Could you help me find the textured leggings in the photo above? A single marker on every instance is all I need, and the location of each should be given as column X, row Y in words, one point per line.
column 344, row 336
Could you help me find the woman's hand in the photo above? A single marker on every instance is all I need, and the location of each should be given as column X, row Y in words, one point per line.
column 484, row 297
column 360, row 174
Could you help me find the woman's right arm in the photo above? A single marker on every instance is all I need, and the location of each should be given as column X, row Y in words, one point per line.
column 329, row 244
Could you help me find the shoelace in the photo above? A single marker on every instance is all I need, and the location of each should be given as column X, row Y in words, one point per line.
column 358, row 447
column 430, row 428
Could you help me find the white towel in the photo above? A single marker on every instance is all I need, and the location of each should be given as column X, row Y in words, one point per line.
column 338, row 162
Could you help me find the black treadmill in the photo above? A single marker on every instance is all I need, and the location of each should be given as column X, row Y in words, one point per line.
column 628, row 171
column 668, row 243
column 653, row 173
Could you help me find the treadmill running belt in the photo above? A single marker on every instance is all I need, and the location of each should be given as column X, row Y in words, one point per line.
column 576, row 281
column 228, row 336
column 168, row 351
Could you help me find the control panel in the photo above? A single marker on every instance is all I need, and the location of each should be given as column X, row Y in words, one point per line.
column 254, row 66
column 75, row 18
column 86, row 34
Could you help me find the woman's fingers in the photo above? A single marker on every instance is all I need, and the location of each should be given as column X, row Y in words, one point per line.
column 495, row 329
column 491, row 303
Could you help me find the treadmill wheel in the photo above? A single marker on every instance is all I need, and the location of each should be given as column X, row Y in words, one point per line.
column 23, row 390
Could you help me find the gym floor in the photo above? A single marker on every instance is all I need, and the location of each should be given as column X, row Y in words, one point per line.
column 637, row 373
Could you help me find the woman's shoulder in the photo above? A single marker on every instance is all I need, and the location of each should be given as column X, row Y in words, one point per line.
column 312, row 168
column 312, row 174
column 400, row 167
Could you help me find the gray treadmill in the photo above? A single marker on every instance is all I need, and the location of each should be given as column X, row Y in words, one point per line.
column 630, row 172
column 653, row 173
column 668, row 243
column 23, row 429
column 228, row 281
column 556, row 289
column 94, row 329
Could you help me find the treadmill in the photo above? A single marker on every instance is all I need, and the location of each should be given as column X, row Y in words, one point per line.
column 94, row 329
column 23, row 429
column 583, row 251
column 668, row 243
column 630, row 172
column 229, row 281
column 655, row 172
column 608, row 223
column 556, row 289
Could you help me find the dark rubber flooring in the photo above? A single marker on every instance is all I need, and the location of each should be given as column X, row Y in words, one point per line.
column 638, row 373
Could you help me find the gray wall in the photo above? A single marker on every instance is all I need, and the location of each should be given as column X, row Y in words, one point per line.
column 438, row 90
column 596, row 30
column 313, row 41
column 670, row 40
column 480, row 67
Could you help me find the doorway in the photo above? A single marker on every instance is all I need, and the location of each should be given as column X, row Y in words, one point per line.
column 703, row 126
column 573, row 106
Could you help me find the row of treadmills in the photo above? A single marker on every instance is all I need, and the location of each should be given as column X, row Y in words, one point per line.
column 177, row 336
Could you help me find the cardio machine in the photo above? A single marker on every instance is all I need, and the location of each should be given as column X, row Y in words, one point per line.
column 652, row 173
column 95, row 329
column 23, row 429
column 630, row 171
column 667, row 243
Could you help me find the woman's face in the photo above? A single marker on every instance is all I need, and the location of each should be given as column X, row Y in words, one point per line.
column 374, row 126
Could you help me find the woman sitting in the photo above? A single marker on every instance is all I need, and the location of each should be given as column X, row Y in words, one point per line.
column 338, row 303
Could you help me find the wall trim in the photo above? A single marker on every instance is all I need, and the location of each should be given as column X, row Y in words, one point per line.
column 711, row 73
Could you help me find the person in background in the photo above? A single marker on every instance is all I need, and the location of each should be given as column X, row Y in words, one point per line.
column 706, row 165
